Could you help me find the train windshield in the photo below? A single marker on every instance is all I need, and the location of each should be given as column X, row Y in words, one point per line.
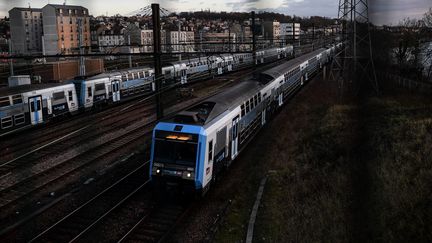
column 175, row 148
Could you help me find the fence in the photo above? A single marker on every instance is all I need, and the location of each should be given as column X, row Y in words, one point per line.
column 412, row 85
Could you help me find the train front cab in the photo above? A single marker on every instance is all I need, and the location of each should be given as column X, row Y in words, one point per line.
column 176, row 156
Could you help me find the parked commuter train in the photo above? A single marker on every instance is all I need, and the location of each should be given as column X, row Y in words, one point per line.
column 17, row 104
column 191, row 148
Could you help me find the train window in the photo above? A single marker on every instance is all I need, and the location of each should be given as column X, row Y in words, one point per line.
column 247, row 106
column 58, row 95
column 4, row 101
column 124, row 77
column 251, row 103
column 6, row 122
column 259, row 97
column 130, row 76
column 70, row 95
column 98, row 87
column 32, row 109
column 242, row 110
column 38, row 105
column 137, row 75
column 256, row 100
column 16, row 99
column 89, row 91
column 146, row 73
column 210, row 153
column 19, row 119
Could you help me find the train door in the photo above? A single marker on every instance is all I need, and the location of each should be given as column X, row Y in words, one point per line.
column 280, row 98
column 229, row 66
column 219, row 67
column 115, row 87
column 234, row 135
column 35, row 109
column 183, row 76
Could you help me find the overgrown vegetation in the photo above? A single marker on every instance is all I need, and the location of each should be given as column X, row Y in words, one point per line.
column 361, row 173
column 401, row 170
column 353, row 172
column 309, row 199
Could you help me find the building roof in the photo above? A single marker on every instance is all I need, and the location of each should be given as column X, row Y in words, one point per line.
column 66, row 6
column 69, row 7
column 27, row 9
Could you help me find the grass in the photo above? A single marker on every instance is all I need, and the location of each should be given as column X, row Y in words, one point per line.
column 360, row 172
column 401, row 170
column 309, row 199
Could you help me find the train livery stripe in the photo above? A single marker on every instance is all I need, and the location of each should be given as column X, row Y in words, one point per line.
column 36, row 113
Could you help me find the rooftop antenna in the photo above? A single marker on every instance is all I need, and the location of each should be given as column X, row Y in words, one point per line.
column 64, row 3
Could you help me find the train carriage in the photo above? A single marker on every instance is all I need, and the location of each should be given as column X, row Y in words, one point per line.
column 190, row 148
column 25, row 105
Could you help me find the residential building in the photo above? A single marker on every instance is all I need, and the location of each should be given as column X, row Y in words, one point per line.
column 181, row 41
column 61, row 28
column 26, row 29
column 272, row 31
column 147, row 40
column 223, row 41
column 290, row 29
column 110, row 42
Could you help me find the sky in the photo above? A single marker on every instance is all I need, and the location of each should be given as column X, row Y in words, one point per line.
column 381, row 11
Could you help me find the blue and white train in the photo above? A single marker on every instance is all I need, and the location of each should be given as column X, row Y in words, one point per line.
column 17, row 109
column 191, row 148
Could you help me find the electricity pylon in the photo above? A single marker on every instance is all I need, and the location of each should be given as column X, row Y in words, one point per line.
column 355, row 62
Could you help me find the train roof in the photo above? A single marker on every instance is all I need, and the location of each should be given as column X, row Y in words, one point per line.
column 119, row 72
column 27, row 88
column 281, row 69
column 206, row 111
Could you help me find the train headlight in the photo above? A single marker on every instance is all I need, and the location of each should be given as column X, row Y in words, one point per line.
column 188, row 175
column 157, row 171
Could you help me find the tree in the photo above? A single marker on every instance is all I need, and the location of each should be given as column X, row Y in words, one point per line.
column 427, row 18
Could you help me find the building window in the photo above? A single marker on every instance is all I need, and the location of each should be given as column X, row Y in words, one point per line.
column 70, row 11
column 71, row 38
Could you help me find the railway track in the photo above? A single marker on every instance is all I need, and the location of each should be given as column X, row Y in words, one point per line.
column 157, row 224
column 10, row 149
column 77, row 223
column 80, row 139
column 38, row 181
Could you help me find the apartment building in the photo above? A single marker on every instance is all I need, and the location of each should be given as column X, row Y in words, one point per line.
column 61, row 28
column 26, row 29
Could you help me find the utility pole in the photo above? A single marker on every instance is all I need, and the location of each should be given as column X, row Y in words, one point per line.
column 11, row 60
column 179, row 47
column 253, row 38
column 129, row 45
column 82, row 70
column 157, row 58
column 43, row 49
column 313, row 37
column 293, row 38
